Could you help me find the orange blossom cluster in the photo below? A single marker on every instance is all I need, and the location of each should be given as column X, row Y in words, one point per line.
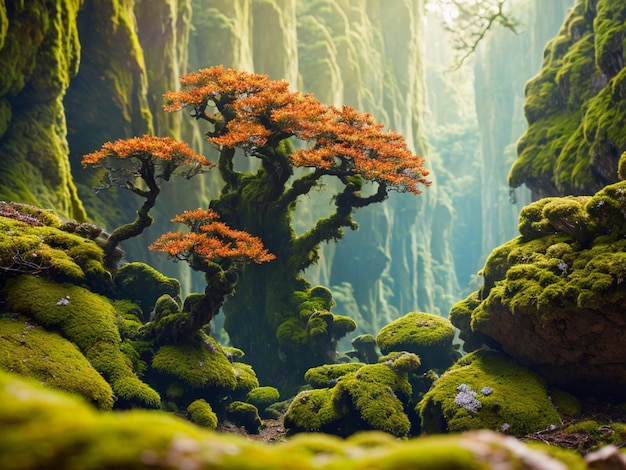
column 211, row 240
column 256, row 111
column 148, row 148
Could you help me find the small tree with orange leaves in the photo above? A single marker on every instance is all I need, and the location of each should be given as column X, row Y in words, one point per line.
column 276, row 314
column 137, row 164
column 219, row 252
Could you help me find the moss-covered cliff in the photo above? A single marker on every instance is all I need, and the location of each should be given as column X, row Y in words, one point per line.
column 39, row 53
column 575, row 106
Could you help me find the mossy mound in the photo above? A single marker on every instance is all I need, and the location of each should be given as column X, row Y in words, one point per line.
column 373, row 397
column 143, row 284
column 429, row 336
column 201, row 413
column 262, row 398
column 244, row 414
column 365, row 348
column 88, row 320
column 31, row 351
column 486, row 390
column 33, row 241
column 82, row 438
column 199, row 363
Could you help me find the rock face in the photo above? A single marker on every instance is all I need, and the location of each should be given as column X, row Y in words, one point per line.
column 574, row 106
column 39, row 53
column 553, row 297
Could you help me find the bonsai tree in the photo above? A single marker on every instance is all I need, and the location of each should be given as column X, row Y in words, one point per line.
column 219, row 252
column 276, row 313
column 137, row 164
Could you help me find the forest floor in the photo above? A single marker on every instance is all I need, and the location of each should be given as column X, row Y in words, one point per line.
column 583, row 440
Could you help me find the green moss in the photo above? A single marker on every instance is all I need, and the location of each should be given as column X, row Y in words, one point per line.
column 144, row 285
column 246, row 379
column 372, row 397
column 573, row 106
column 327, row 375
column 31, row 351
column 133, row 393
column 84, row 318
column 136, row 439
column 128, row 319
column 565, row 403
column 486, row 390
column 312, row 411
column 28, row 247
column 88, row 320
column 197, row 364
column 117, row 369
column 201, row 413
column 262, row 397
column 244, row 414
column 427, row 335
column 235, row 354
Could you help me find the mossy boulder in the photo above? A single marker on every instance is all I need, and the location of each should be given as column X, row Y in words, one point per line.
column 374, row 397
column 553, row 297
column 262, row 398
column 199, row 363
column 33, row 241
column 143, row 284
column 139, row 439
column 201, row 413
column 365, row 348
column 29, row 350
column 487, row 390
column 244, row 414
column 429, row 336
column 87, row 319
column 327, row 375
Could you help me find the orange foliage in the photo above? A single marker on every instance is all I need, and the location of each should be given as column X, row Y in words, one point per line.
column 164, row 149
column 249, row 111
column 211, row 240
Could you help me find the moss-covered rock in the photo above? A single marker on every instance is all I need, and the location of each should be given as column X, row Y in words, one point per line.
column 244, row 414
column 143, row 284
column 365, row 348
column 80, row 315
column 555, row 293
column 201, row 413
column 141, row 439
column 88, row 320
column 574, row 106
column 33, row 241
column 427, row 335
column 328, row 374
column 197, row 364
column 262, row 398
column 486, row 390
column 374, row 397
column 246, row 379
column 29, row 350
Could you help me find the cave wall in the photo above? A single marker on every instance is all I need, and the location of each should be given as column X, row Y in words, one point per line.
column 575, row 106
